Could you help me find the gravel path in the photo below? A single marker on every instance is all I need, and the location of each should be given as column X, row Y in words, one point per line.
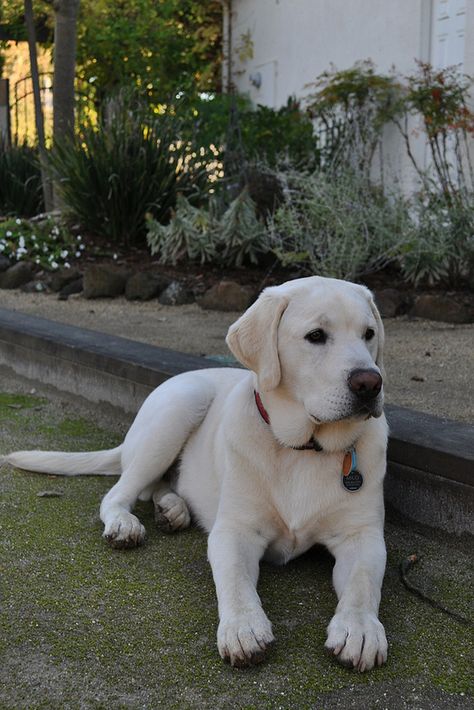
column 429, row 365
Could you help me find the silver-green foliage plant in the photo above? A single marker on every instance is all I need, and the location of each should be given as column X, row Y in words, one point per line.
column 189, row 235
column 440, row 244
column 337, row 226
column 242, row 235
column 231, row 239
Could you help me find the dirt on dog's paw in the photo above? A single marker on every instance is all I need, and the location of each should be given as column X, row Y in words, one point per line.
column 357, row 639
column 244, row 641
column 125, row 532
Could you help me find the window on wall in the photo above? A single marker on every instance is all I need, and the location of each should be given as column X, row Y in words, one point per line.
column 448, row 33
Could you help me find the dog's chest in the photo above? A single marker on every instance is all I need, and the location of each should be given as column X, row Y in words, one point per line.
column 305, row 490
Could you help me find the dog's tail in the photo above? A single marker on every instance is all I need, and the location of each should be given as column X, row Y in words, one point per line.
column 92, row 463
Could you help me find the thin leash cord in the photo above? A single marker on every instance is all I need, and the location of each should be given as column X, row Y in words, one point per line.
column 405, row 566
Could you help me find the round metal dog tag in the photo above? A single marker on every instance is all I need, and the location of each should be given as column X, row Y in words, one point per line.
column 353, row 481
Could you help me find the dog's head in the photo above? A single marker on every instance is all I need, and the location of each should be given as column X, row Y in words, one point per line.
column 318, row 340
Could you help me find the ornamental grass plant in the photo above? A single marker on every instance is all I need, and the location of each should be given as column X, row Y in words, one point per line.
column 20, row 181
column 110, row 176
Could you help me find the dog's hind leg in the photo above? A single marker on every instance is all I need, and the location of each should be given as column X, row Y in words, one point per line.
column 156, row 437
column 171, row 512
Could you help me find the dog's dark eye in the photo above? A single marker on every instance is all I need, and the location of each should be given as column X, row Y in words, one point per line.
column 369, row 333
column 316, row 336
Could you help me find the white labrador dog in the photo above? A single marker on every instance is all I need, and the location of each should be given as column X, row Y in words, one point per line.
column 272, row 461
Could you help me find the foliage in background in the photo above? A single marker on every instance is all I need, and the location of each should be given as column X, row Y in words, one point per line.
column 112, row 175
column 243, row 132
column 188, row 236
column 440, row 242
column 234, row 238
column 441, row 98
column 441, row 239
column 242, row 235
column 337, row 226
column 44, row 242
column 279, row 135
column 20, row 181
column 351, row 108
column 157, row 46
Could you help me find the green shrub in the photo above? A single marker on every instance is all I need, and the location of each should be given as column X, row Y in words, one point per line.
column 112, row 175
column 337, row 226
column 242, row 132
column 44, row 242
column 20, row 181
column 233, row 239
column 275, row 135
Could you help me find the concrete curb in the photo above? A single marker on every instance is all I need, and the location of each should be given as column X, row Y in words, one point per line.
column 430, row 476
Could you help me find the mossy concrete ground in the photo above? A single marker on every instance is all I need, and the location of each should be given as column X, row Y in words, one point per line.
column 85, row 626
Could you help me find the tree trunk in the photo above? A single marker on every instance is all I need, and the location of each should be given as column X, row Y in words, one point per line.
column 39, row 122
column 65, row 36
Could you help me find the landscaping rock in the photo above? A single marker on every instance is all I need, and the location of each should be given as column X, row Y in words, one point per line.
column 5, row 263
column 34, row 287
column 145, row 285
column 176, row 294
column 102, row 281
column 62, row 277
column 75, row 286
column 227, row 296
column 17, row 275
column 444, row 307
column 390, row 302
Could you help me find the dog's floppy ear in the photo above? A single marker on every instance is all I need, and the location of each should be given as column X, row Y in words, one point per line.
column 381, row 334
column 253, row 339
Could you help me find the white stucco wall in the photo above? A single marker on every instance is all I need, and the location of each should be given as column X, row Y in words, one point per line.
column 295, row 40
column 292, row 41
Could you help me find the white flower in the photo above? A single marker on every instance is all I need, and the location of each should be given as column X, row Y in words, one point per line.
column 79, row 238
column 33, row 237
column 21, row 242
column 8, row 233
column 64, row 253
column 37, row 260
column 54, row 264
column 18, row 221
column 115, row 256
column 67, row 265
column 2, row 247
column 45, row 249
column 82, row 247
column 77, row 254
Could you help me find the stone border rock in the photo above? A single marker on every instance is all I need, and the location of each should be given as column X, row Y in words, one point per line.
column 108, row 280
column 430, row 461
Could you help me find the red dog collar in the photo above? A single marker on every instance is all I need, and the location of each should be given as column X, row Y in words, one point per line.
column 312, row 445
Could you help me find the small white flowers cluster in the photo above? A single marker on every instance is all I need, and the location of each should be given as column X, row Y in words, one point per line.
column 46, row 244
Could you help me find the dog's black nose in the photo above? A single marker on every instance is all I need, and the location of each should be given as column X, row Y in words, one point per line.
column 365, row 384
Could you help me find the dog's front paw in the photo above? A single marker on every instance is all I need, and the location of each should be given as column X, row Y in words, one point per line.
column 357, row 639
column 124, row 531
column 243, row 640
